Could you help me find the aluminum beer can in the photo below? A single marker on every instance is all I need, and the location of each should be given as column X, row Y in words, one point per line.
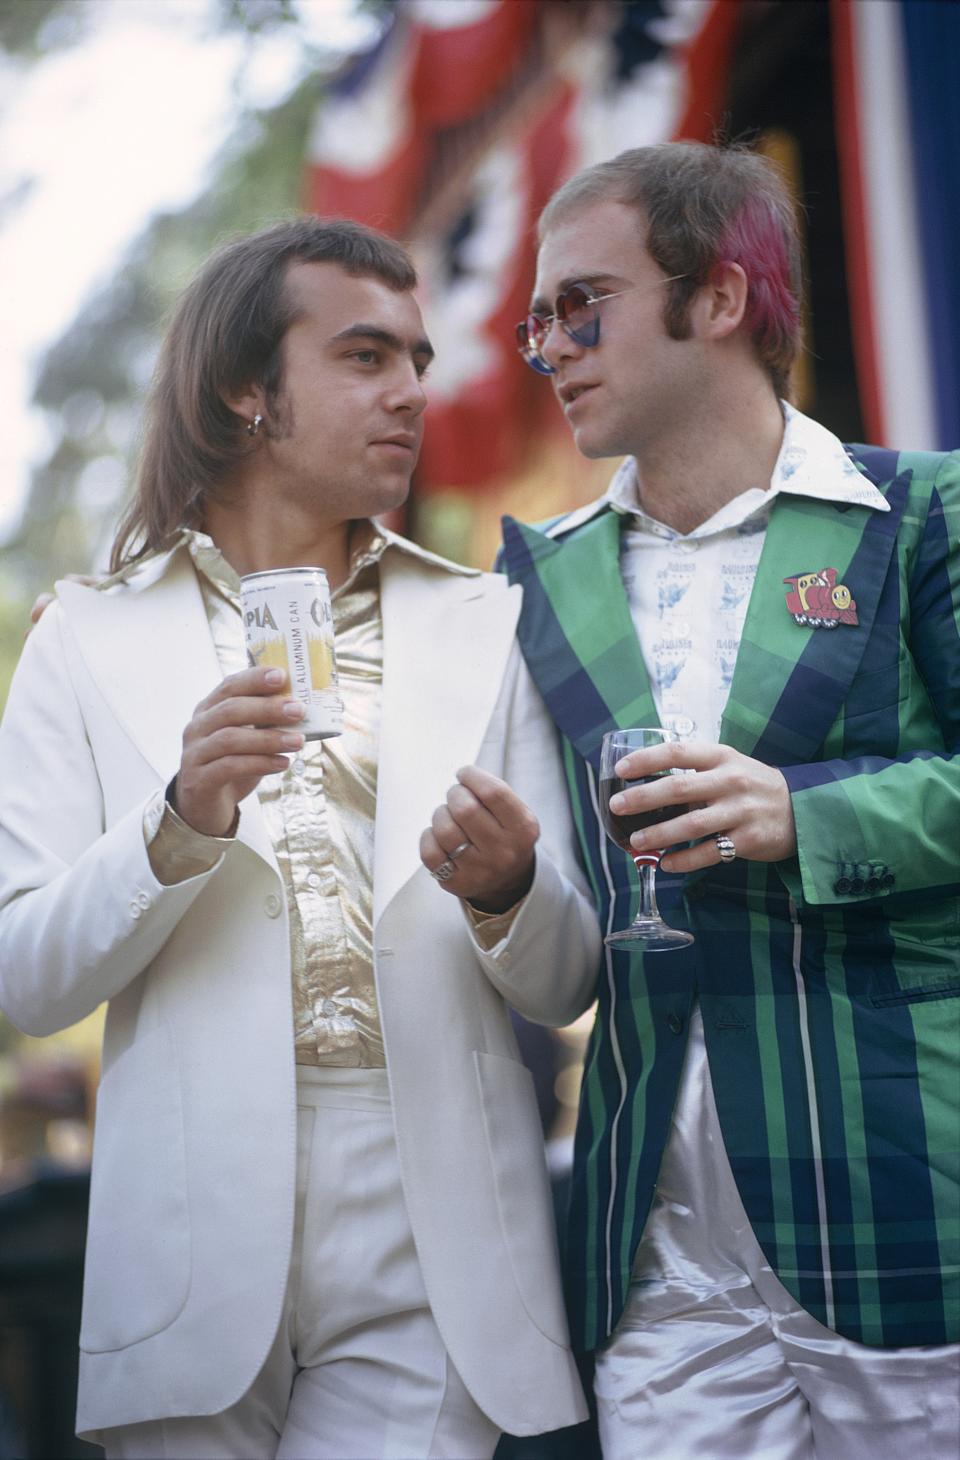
column 288, row 624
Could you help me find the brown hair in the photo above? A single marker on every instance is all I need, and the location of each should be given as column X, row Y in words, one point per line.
column 226, row 333
column 705, row 205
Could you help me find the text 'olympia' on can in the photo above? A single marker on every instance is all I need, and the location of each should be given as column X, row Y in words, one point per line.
column 288, row 625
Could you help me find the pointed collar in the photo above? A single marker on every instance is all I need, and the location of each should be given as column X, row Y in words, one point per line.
column 369, row 541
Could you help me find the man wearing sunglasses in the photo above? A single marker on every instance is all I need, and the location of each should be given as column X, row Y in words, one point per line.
column 764, row 1223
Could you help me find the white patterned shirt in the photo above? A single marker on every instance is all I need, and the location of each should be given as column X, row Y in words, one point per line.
column 689, row 593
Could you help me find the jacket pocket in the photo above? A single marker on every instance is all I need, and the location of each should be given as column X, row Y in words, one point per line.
column 522, row 1187
column 920, row 994
column 137, row 1272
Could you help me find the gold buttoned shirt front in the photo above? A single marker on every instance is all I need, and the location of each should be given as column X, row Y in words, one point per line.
column 319, row 814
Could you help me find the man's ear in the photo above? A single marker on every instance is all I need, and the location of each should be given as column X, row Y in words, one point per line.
column 246, row 403
column 722, row 301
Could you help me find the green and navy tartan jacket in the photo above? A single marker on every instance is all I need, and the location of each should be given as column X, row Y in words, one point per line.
column 829, row 983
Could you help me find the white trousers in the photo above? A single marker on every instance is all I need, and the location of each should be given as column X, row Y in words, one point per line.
column 713, row 1358
column 358, row 1370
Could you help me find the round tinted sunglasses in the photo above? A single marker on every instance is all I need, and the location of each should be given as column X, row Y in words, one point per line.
column 577, row 311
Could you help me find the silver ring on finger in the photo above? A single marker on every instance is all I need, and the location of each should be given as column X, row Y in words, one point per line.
column 459, row 851
column 445, row 871
column 727, row 847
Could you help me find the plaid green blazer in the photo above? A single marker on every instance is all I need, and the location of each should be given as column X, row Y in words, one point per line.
column 829, row 984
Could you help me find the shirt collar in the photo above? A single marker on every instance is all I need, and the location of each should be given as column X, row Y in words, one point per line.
column 812, row 462
column 368, row 543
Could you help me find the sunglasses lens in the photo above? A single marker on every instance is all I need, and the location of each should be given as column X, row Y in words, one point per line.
column 537, row 327
column 577, row 307
column 573, row 302
column 531, row 334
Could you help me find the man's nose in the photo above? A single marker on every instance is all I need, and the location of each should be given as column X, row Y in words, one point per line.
column 408, row 393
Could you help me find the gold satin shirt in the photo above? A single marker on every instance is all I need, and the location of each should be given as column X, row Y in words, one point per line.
column 319, row 815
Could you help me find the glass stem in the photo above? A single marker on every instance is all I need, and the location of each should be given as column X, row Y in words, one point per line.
column 647, row 868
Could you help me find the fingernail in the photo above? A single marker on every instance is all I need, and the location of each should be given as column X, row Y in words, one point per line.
column 638, row 841
column 293, row 710
column 291, row 741
column 275, row 676
column 617, row 803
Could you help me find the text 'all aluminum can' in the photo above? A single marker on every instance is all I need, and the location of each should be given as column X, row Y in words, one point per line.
column 288, row 623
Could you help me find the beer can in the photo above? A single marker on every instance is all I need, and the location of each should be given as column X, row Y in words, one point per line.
column 288, row 624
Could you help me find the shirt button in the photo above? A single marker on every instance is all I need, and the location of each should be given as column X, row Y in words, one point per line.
column 271, row 905
column 674, row 1023
column 682, row 724
column 143, row 900
column 314, row 879
column 135, row 910
column 299, row 765
column 328, row 1008
column 686, row 545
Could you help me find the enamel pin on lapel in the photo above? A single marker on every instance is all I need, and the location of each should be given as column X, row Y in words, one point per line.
column 819, row 601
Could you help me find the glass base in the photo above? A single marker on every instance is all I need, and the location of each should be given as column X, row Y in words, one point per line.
column 649, row 935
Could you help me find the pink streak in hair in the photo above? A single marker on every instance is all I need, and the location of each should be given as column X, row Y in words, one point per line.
column 755, row 241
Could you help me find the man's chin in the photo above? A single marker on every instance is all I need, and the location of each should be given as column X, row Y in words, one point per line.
column 391, row 496
column 593, row 446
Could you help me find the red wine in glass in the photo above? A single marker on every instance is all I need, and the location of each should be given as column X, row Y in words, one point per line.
column 620, row 828
column 648, row 932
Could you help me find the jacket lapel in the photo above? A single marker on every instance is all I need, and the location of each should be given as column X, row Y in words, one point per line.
column 446, row 641
column 576, row 630
column 151, row 655
column 790, row 680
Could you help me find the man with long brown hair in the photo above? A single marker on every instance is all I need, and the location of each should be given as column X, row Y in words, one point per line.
column 320, row 1221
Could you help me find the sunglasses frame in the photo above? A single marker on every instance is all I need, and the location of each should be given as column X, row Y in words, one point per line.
column 587, row 335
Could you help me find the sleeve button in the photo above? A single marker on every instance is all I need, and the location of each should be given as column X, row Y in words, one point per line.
column 857, row 885
column 842, row 886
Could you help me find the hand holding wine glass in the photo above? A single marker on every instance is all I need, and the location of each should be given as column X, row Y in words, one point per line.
column 715, row 794
column 648, row 932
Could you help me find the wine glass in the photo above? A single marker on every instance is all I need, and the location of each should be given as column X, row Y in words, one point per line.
column 648, row 933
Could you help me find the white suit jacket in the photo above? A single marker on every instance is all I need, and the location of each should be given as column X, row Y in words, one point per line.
column 192, row 1197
